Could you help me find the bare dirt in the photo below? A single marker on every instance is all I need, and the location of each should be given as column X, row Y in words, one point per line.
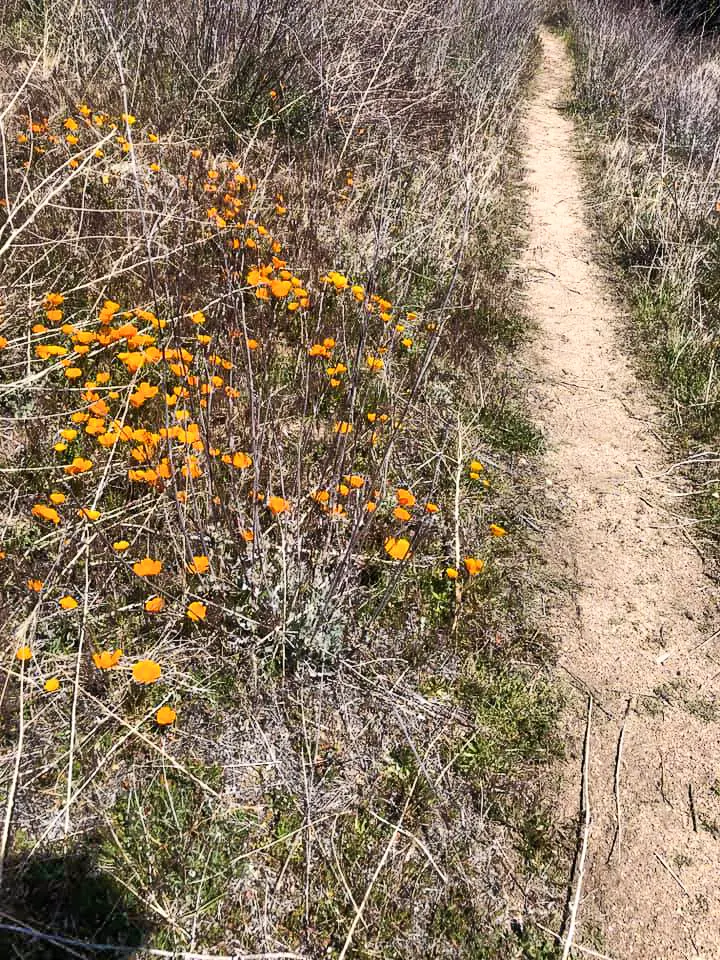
column 630, row 608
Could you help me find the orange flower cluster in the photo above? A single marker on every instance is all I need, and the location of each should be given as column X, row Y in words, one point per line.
column 159, row 398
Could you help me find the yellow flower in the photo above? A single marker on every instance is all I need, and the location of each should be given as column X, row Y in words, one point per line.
column 497, row 531
column 23, row 653
column 154, row 604
column 51, row 685
column 67, row 602
column 120, row 545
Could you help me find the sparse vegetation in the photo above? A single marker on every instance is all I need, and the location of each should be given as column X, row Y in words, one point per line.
column 648, row 93
column 269, row 684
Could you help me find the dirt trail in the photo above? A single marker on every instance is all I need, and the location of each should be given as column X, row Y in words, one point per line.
column 631, row 609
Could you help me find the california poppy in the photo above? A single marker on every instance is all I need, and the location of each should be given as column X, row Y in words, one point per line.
column 107, row 659
column 277, row 505
column 404, row 497
column 196, row 611
column 199, row 564
column 147, row 567
column 165, row 716
column 473, row 565
column 397, row 548
column 242, row 460
column 45, row 513
column 146, row 671
column 79, row 465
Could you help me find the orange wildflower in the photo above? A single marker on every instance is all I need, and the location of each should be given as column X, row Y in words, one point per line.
column 107, row 659
column 398, row 548
column 23, row 653
column 146, row 671
column 199, row 564
column 79, row 465
column 154, row 604
column 147, row 567
column 196, row 611
column 473, row 565
column 277, row 505
column 45, row 513
column 242, row 460
column 404, row 497
column 165, row 716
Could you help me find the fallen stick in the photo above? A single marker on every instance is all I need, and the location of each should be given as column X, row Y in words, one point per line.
column 585, row 812
column 617, row 838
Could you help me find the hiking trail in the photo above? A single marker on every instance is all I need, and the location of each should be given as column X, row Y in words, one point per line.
column 627, row 601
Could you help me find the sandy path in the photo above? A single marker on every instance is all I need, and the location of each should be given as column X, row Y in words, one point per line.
column 630, row 609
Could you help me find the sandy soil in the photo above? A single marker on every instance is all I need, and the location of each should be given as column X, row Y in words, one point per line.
column 630, row 608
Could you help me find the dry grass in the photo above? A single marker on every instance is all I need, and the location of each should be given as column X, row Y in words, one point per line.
column 255, row 261
column 650, row 93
